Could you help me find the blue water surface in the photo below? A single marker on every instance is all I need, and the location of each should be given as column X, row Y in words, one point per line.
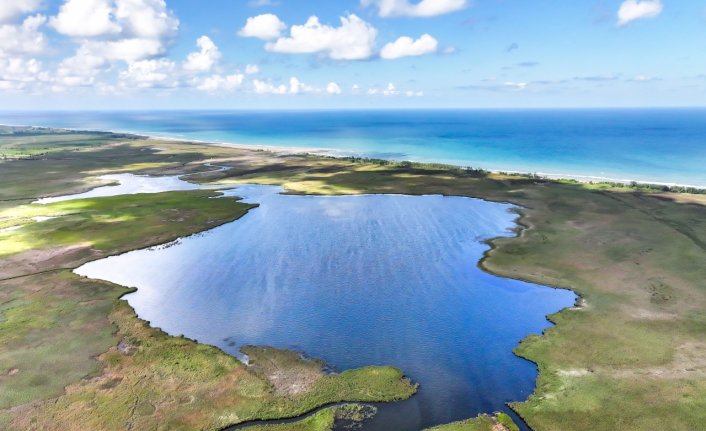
column 355, row 281
column 652, row 145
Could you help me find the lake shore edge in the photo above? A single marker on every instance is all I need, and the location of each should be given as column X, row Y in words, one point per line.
column 546, row 244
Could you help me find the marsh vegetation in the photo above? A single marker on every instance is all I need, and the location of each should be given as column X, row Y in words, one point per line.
column 622, row 360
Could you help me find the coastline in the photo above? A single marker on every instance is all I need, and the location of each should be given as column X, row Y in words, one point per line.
column 573, row 235
column 338, row 154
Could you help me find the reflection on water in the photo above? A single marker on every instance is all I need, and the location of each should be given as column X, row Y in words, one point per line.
column 355, row 280
column 127, row 184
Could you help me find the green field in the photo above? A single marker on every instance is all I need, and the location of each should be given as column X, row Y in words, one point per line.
column 631, row 357
column 75, row 356
column 497, row 422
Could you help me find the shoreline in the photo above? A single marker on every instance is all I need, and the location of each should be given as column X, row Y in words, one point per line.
column 338, row 154
column 515, row 230
column 585, row 214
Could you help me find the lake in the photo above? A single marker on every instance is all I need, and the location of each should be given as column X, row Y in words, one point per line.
column 355, row 281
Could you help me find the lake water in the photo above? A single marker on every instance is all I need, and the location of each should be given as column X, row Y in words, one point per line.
column 127, row 184
column 355, row 281
column 653, row 145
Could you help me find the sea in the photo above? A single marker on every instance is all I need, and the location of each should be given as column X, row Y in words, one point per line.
column 661, row 146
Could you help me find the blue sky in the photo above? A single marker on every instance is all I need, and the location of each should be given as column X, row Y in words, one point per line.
column 259, row 54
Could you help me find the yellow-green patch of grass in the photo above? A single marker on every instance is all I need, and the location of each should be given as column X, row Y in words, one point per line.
column 600, row 402
column 108, row 223
column 322, row 420
column 497, row 422
column 51, row 328
column 159, row 381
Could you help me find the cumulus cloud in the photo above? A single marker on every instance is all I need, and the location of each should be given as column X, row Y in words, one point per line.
column 18, row 73
column 333, row 88
column 204, row 59
column 82, row 69
column 390, row 90
column 266, row 27
column 86, row 18
column 295, row 87
column 128, row 50
column 262, row 87
column 353, row 40
column 128, row 30
column 23, row 39
column 424, row 8
column 631, row 10
column 644, row 78
column 407, row 47
column 146, row 18
column 12, row 9
column 150, row 74
column 216, row 83
column 252, row 69
column 516, row 85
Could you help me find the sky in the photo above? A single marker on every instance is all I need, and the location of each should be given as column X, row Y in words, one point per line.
column 297, row 54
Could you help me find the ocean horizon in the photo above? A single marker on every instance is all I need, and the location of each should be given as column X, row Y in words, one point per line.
column 655, row 145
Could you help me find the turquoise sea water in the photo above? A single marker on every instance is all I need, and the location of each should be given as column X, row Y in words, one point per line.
column 652, row 145
column 355, row 281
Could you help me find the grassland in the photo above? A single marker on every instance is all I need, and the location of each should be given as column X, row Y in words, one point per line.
column 631, row 357
column 75, row 356
column 496, row 422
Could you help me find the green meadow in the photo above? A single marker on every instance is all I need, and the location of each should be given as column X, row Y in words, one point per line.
column 630, row 356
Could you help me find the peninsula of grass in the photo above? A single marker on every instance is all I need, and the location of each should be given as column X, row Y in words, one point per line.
column 496, row 422
column 632, row 356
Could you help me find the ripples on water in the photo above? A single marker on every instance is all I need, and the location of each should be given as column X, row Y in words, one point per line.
column 355, row 280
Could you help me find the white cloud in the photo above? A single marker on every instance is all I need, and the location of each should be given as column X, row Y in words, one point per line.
column 262, row 87
column 86, row 18
column 406, row 47
column 216, row 83
column 207, row 56
column 12, row 9
column 128, row 50
column 252, row 69
column 149, row 74
column 644, row 78
column 295, row 87
column 80, row 70
column 266, row 27
column 353, row 40
column 631, row 10
column 24, row 39
column 146, row 19
column 333, row 88
column 516, row 85
column 424, row 8
column 391, row 90
column 128, row 30
column 17, row 73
